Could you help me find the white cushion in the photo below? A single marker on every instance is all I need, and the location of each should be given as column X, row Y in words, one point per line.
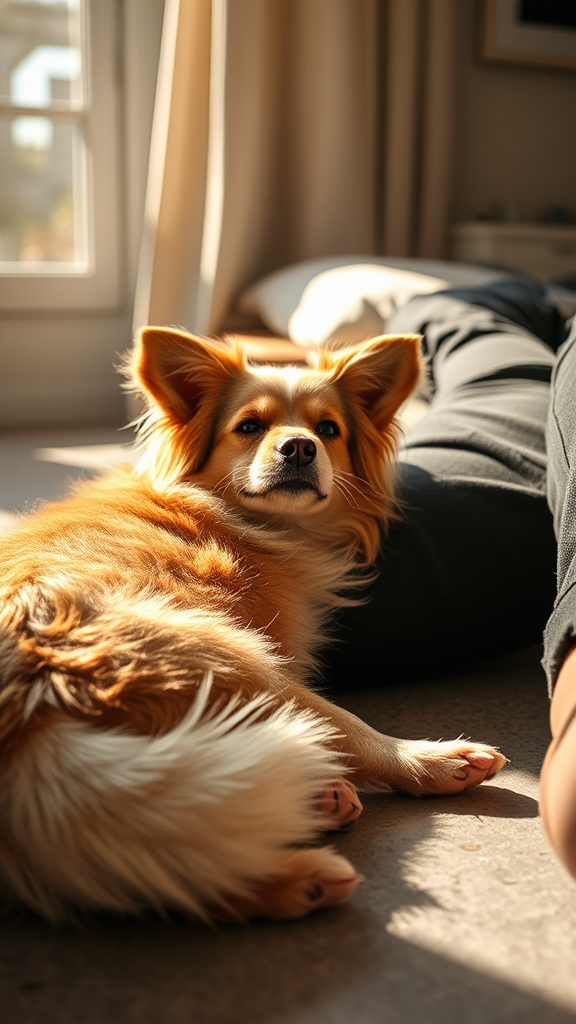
column 346, row 299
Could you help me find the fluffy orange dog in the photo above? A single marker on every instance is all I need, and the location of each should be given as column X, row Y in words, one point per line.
column 160, row 746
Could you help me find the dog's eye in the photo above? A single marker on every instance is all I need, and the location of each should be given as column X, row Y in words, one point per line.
column 327, row 428
column 249, row 426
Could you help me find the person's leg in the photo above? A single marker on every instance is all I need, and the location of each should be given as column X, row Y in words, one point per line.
column 558, row 782
column 468, row 569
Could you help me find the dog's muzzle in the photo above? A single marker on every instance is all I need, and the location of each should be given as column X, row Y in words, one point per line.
column 295, row 468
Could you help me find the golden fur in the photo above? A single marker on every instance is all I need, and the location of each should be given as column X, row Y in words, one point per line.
column 160, row 742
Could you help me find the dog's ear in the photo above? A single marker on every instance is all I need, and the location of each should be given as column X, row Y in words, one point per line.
column 178, row 371
column 380, row 374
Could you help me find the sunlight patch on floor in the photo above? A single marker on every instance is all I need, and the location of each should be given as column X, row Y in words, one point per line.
column 87, row 456
column 495, row 899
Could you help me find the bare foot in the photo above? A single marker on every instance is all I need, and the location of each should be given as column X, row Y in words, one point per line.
column 341, row 803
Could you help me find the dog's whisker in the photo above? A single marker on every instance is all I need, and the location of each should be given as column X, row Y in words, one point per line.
column 346, row 493
column 224, row 489
column 227, row 476
column 366, row 485
column 349, row 499
column 349, row 483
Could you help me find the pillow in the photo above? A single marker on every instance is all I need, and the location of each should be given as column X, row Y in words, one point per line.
column 346, row 299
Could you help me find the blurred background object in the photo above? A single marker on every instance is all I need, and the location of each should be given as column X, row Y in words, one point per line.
column 159, row 159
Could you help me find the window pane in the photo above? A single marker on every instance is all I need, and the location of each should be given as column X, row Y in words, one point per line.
column 41, row 53
column 42, row 199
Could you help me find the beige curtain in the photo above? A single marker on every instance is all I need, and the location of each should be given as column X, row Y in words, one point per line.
column 286, row 130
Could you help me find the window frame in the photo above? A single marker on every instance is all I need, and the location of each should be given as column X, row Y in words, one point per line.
column 99, row 286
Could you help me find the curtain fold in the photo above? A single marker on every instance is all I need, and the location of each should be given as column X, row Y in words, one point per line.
column 286, row 130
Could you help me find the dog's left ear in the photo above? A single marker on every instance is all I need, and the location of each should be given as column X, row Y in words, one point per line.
column 381, row 373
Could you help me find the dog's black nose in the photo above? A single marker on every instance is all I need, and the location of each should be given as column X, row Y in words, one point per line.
column 298, row 451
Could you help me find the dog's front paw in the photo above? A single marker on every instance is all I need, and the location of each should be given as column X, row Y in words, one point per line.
column 443, row 768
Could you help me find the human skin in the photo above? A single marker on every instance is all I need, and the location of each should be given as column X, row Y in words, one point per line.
column 558, row 778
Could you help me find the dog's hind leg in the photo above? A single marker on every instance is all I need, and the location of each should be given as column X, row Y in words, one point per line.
column 212, row 816
column 306, row 880
column 340, row 803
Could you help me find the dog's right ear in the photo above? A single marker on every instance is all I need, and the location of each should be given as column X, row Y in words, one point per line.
column 179, row 371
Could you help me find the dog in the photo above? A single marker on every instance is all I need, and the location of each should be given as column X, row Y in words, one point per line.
column 161, row 743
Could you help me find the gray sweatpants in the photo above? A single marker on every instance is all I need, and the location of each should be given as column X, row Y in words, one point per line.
column 469, row 570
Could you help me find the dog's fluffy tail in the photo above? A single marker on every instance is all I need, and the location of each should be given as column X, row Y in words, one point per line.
column 103, row 819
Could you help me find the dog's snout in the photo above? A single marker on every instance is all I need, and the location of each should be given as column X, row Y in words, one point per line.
column 297, row 450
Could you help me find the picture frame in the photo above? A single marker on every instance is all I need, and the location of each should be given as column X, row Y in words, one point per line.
column 532, row 33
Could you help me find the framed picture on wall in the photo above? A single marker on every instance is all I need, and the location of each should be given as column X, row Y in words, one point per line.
column 537, row 33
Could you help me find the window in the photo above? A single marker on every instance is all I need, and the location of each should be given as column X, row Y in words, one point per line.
column 59, row 174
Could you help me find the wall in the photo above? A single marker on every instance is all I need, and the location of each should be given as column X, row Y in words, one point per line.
column 515, row 132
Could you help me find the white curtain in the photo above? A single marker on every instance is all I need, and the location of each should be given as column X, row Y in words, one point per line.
column 291, row 129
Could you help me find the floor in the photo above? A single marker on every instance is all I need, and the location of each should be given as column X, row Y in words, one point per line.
column 464, row 914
